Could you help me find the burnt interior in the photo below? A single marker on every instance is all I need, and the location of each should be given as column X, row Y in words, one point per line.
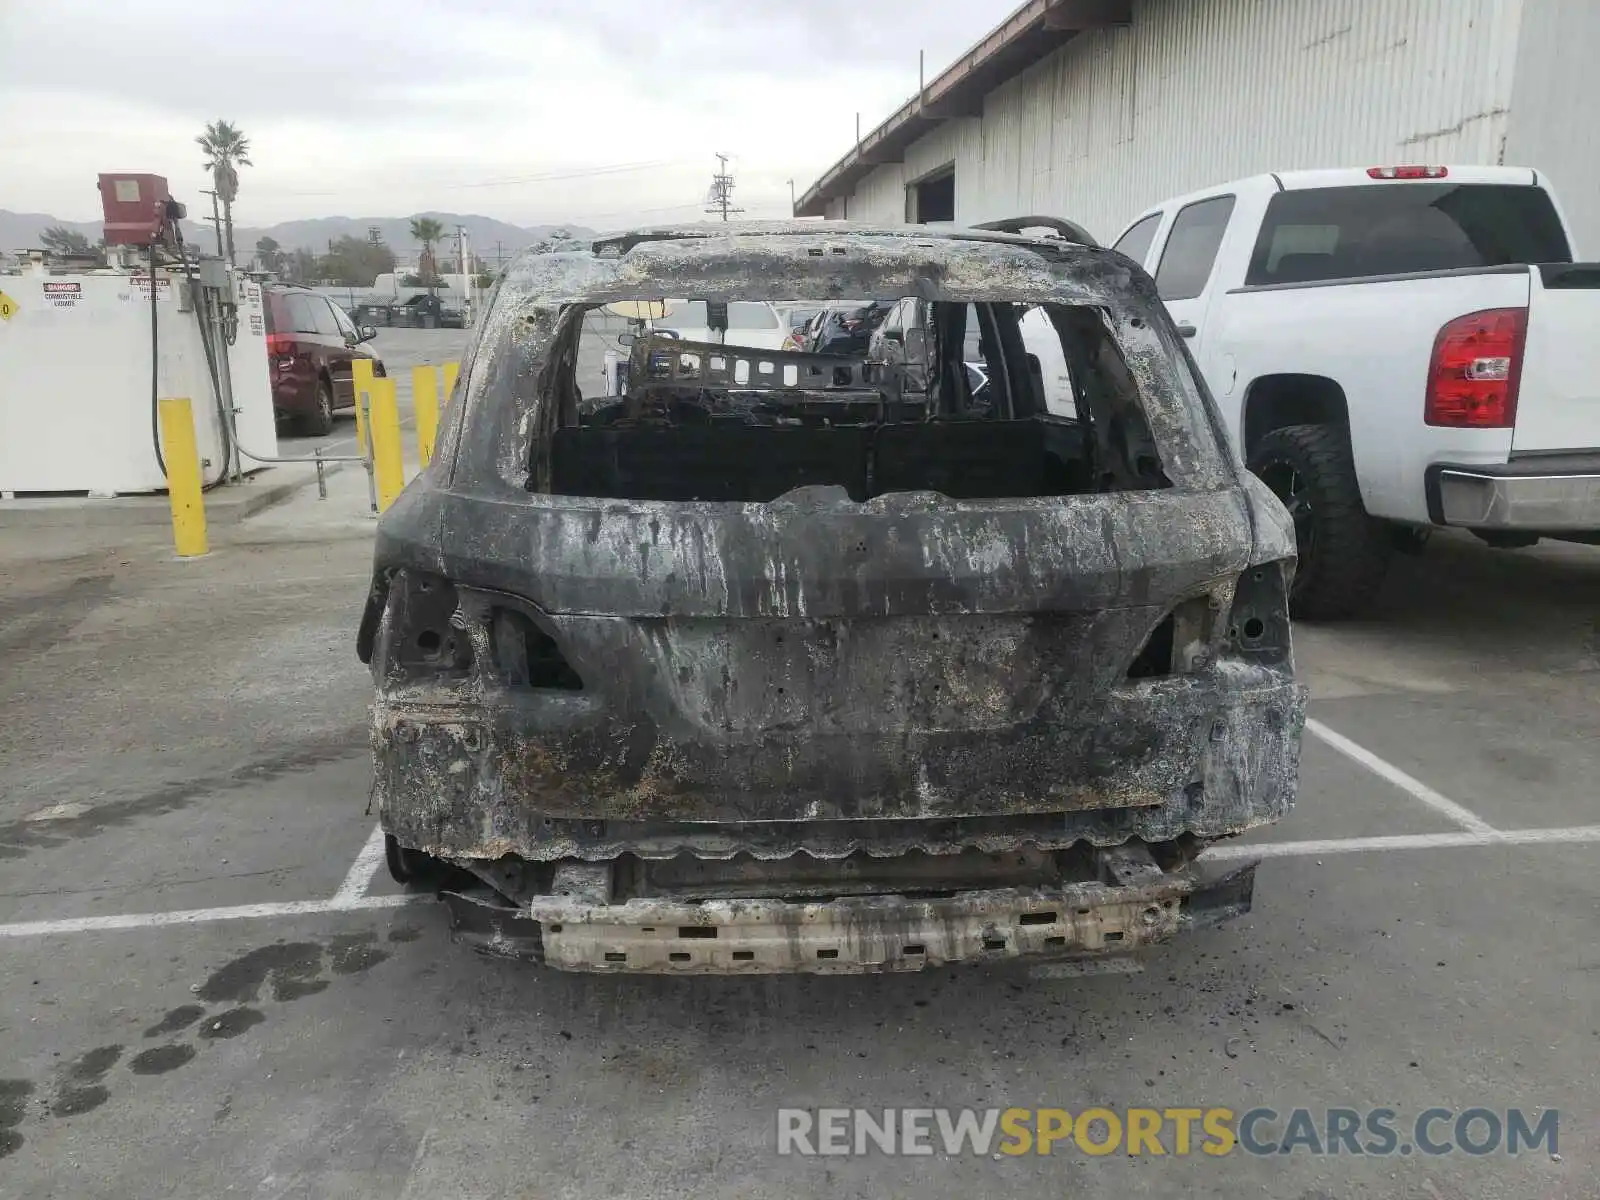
column 953, row 402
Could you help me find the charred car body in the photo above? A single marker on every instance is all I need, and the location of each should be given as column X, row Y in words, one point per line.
column 798, row 662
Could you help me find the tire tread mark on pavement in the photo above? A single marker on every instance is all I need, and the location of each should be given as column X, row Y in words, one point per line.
column 35, row 622
column 19, row 838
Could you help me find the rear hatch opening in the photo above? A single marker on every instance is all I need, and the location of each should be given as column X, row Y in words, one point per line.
column 721, row 422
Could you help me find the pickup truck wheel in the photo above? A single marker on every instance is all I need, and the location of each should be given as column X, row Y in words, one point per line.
column 1343, row 551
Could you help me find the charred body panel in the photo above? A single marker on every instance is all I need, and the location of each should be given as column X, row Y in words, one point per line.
column 843, row 667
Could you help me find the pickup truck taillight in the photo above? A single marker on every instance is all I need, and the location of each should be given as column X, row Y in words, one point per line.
column 1476, row 366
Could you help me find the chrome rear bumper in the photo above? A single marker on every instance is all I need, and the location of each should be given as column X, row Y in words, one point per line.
column 1522, row 495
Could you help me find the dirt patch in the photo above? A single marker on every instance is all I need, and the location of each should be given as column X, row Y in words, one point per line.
column 292, row 968
column 158, row 1060
column 178, row 1018
column 231, row 1023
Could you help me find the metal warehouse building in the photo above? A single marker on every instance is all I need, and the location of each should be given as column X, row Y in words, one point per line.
column 1098, row 109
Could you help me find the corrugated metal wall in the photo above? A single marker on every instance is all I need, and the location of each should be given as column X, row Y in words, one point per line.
column 882, row 195
column 1197, row 92
column 1552, row 122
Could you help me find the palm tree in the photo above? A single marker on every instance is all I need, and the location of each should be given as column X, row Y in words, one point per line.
column 226, row 150
column 427, row 231
column 58, row 239
column 269, row 254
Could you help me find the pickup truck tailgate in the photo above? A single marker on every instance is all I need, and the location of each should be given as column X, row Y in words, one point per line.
column 1558, row 402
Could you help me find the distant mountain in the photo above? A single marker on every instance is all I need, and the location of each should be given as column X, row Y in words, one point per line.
column 20, row 231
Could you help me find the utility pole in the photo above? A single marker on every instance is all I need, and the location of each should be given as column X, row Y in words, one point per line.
column 791, row 198
column 720, row 198
column 466, row 278
column 216, row 218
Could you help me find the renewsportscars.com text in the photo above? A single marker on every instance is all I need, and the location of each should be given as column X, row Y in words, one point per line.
column 1157, row 1132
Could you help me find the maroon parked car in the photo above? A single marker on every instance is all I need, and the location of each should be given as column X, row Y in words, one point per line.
column 310, row 346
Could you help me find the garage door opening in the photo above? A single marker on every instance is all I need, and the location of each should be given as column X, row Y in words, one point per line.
column 932, row 198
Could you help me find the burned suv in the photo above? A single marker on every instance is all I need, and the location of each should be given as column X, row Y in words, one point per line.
column 797, row 662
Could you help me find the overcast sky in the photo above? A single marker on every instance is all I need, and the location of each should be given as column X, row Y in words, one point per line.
column 358, row 108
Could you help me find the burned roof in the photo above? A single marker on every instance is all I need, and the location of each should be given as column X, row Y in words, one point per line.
column 624, row 240
column 786, row 260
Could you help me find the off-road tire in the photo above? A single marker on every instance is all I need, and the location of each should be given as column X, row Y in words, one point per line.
column 1344, row 553
column 319, row 421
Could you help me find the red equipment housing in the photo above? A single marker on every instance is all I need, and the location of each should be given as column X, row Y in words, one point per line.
column 135, row 208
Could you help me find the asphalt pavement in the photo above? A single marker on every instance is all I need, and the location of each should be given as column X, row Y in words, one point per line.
column 208, row 987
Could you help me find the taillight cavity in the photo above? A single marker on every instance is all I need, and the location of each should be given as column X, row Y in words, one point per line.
column 1475, row 370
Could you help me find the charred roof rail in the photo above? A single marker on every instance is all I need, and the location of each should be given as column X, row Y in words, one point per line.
column 1005, row 232
column 1070, row 230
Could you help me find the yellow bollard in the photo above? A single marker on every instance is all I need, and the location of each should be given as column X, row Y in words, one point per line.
column 387, row 462
column 183, row 477
column 450, row 370
column 360, row 379
column 425, row 403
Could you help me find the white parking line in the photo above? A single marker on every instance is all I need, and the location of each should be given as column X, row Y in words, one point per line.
column 1409, row 784
column 199, row 916
column 359, row 878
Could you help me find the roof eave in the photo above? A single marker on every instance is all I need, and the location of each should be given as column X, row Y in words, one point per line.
column 1027, row 35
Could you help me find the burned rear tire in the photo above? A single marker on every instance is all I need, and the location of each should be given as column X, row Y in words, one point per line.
column 1344, row 553
column 413, row 866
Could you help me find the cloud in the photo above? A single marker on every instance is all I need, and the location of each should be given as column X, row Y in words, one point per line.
column 363, row 106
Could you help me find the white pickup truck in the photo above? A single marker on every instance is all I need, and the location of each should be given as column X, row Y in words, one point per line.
column 1393, row 349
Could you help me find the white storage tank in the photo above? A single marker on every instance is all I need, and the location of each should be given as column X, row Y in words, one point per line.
column 75, row 380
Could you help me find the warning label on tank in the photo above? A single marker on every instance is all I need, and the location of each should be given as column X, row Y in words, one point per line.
column 141, row 285
column 61, row 294
column 255, row 324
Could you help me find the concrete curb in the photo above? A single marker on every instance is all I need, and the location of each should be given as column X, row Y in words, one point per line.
column 225, row 506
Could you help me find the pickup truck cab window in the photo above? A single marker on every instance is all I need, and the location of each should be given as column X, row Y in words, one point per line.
column 1316, row 234
column 1136, row 242
column 1191, row 248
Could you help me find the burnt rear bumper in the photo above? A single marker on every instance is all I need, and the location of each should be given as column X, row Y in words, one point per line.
column 853, row 934
column 1212, row 755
